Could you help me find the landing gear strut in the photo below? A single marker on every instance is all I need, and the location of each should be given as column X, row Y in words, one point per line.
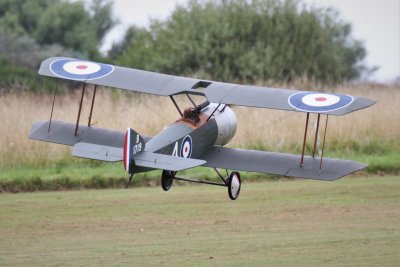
column 231, row 181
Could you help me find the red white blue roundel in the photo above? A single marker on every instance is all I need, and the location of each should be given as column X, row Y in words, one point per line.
column 319, row 102
column 186, row 147
column 80, row 69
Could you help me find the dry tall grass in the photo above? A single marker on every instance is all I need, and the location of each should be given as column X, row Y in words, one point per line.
column 149, row 114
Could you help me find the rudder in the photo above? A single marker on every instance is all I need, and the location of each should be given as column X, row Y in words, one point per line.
column 133, row 144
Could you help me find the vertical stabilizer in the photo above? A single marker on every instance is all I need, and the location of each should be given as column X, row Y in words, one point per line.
column 133, row 144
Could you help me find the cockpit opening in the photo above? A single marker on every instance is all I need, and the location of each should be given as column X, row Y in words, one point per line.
column 193, row 115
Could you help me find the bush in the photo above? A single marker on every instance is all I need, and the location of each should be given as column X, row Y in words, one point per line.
column 238, row 40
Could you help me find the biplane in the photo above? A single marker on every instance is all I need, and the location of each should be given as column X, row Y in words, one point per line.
column 199, row 136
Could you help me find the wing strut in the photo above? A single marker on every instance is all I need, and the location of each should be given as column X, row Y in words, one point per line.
column 91, row 108
column 209, row 117
column 191, row 100
column 315, row 140
column 80, row 109
column 316, row 135
column 304, row 141
column 323, row 143
column 176, row 105
column 52, row 107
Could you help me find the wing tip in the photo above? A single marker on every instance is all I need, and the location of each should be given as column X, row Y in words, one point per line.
column 36, row 127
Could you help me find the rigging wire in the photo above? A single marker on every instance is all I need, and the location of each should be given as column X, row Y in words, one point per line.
column 265, row 126
column 153, row 110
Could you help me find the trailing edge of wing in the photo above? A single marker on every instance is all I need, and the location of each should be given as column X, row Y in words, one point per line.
column 97, row 152
column 217, row 92
column 279, row 164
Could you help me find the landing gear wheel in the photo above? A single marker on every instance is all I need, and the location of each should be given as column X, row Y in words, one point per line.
column 167, row 178
column 234, row 184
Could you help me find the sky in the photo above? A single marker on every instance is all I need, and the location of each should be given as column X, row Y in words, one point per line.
column 375, row 22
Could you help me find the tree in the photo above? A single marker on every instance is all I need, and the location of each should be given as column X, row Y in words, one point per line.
column 21, row 16
column 255, row 40
column 119, row 48
column 101, row 17
column 59, row 22
column 31, row 31
column 69, row 25
column 20, row 56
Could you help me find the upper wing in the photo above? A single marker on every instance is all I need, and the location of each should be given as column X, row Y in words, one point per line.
column 217, row 92
column 279, row 164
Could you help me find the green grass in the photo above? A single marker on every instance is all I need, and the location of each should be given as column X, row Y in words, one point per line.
column 378, row 163
column 100, row 175
column 350, row 222
column 104, row 175
column 73, row 173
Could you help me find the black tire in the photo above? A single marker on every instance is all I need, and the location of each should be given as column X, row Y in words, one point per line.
column 234, row 184
column 167, row 178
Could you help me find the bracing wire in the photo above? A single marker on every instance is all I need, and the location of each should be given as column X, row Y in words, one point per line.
column 265, row 126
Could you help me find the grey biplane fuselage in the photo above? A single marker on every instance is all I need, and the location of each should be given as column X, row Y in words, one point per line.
column 188, row 139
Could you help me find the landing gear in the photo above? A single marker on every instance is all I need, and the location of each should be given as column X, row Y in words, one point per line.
column 232, row 181
column 167, row 178
column 234, row 185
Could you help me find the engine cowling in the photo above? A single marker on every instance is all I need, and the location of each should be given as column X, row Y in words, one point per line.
column 226, row 122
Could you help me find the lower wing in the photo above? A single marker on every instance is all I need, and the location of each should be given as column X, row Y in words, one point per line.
column 105, row 145
column 279, row 163
column 142, row 159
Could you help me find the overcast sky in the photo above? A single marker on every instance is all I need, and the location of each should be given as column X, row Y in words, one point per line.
column 375, row 22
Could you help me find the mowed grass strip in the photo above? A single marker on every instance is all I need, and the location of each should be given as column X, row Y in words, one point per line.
column 350, row 222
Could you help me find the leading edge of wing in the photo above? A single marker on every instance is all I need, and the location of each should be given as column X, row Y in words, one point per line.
column 116, row 76
column 217, row 92
column 279, row 163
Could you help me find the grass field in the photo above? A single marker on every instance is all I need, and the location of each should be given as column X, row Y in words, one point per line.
column 350, row 222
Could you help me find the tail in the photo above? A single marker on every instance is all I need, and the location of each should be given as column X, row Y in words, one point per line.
column 133, row 144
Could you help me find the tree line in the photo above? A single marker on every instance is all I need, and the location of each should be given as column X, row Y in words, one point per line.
column 226, row 40
column 31, row 31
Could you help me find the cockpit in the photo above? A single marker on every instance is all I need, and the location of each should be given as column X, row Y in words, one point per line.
column 194, row 115
column 223, row 115
column 190, row 115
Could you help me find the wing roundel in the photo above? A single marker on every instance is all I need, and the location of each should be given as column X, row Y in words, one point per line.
column 319, row 102
column 80, row 70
